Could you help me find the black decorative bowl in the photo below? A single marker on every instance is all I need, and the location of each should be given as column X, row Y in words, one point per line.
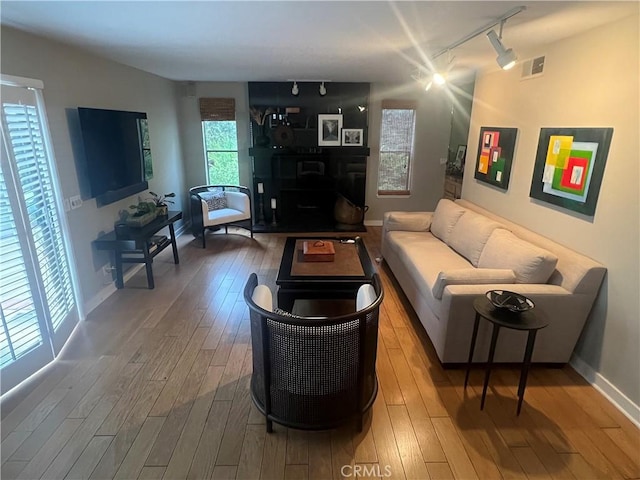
column 511, row 301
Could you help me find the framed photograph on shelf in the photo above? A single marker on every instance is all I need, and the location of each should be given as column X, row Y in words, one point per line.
column 352, row 137
column 569, row 167
column 329, row 127
column 495, row 155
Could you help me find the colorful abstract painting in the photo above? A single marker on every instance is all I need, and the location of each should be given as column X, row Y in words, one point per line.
column 495, row 155
column 569, row 167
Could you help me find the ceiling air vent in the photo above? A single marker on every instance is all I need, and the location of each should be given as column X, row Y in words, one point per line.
column 532, row 68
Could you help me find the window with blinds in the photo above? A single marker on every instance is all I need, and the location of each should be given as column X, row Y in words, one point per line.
column 396, row 147
column 220, row 139
column 38, row 301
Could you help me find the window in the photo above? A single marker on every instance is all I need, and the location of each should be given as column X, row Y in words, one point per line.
column 220, row 139
column 38, row 295
column 396, row 147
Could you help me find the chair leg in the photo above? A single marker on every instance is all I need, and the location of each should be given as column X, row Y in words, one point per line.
column 204, row 238
column 226, row 230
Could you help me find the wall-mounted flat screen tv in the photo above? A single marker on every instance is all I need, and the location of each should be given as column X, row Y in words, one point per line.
column 113, row 148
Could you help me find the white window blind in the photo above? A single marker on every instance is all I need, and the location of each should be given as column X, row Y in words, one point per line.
column 396, row 147
column 38, row 292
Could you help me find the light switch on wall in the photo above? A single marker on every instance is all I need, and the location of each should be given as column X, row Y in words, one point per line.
column 443, row 161
column 67, row 205
column 76, row 202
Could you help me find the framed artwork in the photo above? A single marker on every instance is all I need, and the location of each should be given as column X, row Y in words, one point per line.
column 495, row 155
column 352, row 137
column 569, row 167
column 329, row 127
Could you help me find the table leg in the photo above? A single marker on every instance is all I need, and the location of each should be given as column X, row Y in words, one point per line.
column 492, row 351
column 118, row 260
column 526, row 363
column 472, row 347
column 174, row 247
column 148, row 262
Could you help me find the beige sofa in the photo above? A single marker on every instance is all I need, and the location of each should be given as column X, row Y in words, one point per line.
column 443, row 260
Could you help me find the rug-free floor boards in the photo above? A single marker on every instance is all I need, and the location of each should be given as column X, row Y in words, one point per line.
column 155, row 384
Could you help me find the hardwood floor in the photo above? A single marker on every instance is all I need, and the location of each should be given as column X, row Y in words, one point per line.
column 155, row 384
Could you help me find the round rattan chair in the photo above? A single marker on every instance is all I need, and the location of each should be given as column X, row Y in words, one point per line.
column 314, row 373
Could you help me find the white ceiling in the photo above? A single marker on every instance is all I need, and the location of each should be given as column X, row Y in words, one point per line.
column 370, row 41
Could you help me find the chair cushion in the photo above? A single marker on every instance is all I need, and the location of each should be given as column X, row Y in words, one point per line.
column 262, row 297
column 531, row 264
column 470, row 234
column 366, row 296
column 445, row 218
column 215, row 200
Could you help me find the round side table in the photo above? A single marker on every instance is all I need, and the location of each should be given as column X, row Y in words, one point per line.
column 530, row 321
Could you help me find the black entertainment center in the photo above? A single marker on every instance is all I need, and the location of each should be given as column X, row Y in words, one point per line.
column 304, row 177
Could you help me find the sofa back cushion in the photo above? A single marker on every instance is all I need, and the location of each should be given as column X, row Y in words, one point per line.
column 531, row 264
column 470, row 234
column 445, row 218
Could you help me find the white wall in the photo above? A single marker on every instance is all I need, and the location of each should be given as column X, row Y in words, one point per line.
column 433, row 126
column 73, row 78
column 191, row 128
column 590, row 80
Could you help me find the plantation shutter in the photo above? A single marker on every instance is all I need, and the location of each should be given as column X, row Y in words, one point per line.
column 396, row 147
column 38, row 295
column 217, row 109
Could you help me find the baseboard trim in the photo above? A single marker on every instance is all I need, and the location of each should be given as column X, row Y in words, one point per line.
column 110, row 289
column 373, row 223
column 609, row 390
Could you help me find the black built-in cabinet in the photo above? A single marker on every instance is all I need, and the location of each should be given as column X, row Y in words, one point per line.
column 304, row 178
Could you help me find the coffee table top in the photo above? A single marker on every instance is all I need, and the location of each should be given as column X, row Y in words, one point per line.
column 351, row 263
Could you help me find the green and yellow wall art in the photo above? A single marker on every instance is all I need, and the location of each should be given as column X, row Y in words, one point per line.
column 569, row 167
column 495, row 155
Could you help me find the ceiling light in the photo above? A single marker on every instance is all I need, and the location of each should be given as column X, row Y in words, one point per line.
column 323, row 90
column 294, row 89
column 506, row 57
column 439, row 79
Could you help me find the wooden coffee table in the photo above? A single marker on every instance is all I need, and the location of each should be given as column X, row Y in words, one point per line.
column 339, row 279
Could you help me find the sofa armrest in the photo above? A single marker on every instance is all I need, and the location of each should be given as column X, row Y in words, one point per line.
column 565, row 312
column 407, row 221
column 471, row 276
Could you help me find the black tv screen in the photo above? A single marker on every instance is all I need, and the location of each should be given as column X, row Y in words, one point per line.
column 113, row 148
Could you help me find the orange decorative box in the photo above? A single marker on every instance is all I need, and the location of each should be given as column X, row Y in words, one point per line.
column 318, row 251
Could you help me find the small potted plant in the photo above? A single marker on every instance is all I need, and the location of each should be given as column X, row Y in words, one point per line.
column 143, row 213
column 161, row 201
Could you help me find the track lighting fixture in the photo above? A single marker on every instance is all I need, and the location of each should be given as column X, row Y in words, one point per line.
column 294, row 89
column 506, row 57
column 323, row 90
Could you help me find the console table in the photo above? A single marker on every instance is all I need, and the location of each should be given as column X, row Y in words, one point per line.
column 134, row 244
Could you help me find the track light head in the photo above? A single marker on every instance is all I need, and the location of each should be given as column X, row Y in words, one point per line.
column 294, row 89
column 323, row 90
column 506, row 57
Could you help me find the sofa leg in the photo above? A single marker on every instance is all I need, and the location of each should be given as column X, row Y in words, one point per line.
column 204, row 238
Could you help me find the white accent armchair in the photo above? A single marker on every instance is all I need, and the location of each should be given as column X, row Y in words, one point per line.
column 237, row 211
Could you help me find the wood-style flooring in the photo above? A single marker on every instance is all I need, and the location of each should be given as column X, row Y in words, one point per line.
column 155, row 384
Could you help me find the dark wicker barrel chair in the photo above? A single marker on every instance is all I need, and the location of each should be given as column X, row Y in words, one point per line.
column 314, row 373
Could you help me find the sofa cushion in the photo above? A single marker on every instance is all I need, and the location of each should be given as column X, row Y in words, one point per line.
column 470, row 234
column 445, row 218
column 472, row 276
column 215, row 200
column 408, row 221
column 531, row 264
